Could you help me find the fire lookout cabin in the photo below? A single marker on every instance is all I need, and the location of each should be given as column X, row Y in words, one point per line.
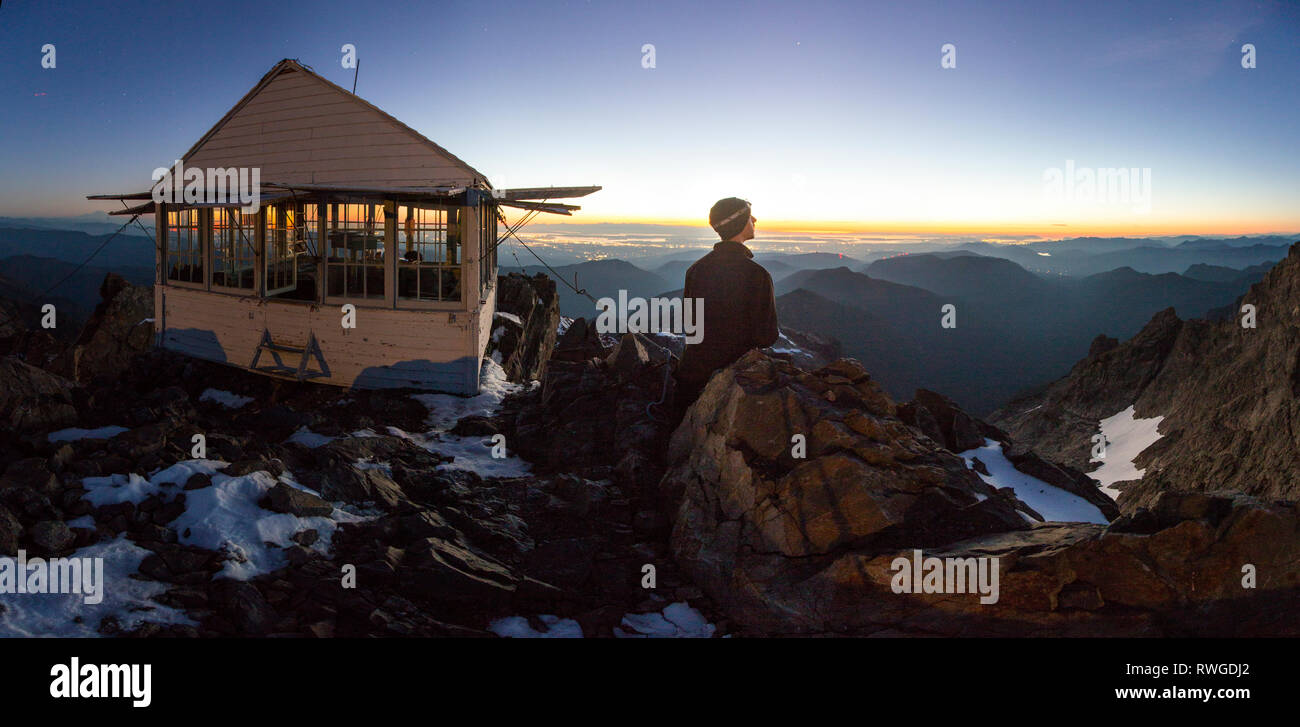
column 354, row 207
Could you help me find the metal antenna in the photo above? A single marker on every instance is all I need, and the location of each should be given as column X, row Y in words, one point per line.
column 355, row 72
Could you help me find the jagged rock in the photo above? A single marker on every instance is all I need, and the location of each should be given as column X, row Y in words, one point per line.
column 32, row 473
column 523, row 338
column 808, row 351
column 447, row 573
column 10, row 532
column 349, row 484
column 748, row 505
column 579, row 342
column 32, row 400
column 273, row 467
column 634, row 355
column 283, row 498
column 1229, row 397
column 243, row 605
column 305, row 538
column 117, row 331
column 1059, row 421
column 787, row 546
column 584, row 419
column 474, row 426
column 51, row 537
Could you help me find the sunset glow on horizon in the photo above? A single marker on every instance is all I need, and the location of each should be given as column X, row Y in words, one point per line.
column 831, row 119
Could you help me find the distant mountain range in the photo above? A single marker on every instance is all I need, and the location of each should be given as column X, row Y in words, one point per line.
column 1025, row 312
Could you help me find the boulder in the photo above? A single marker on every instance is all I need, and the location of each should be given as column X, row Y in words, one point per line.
column 291, row 500
column 10, row 532
column 33, row 400
column 51, row 537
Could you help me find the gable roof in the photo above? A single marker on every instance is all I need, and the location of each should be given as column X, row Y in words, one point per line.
column 301, row 128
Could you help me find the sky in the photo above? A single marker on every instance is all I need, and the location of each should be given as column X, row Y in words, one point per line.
column 828, row 117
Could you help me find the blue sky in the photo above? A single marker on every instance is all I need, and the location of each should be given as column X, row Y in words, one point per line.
column 823, row 114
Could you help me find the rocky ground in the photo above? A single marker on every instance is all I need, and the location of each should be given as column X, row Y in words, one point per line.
column 321, row 512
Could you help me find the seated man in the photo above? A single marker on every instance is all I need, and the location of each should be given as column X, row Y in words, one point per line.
column 739, row 302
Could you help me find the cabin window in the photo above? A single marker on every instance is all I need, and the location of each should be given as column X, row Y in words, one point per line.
column 184, row 247
column 233, row 233
column 429, row 250
column 487, row 246
column 290, row 251
column 355, row 250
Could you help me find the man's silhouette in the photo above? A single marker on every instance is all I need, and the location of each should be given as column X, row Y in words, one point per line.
column 739, row 303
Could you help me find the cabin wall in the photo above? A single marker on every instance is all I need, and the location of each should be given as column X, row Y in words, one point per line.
column 482, row 328
column 387, row 349
column 298, row 129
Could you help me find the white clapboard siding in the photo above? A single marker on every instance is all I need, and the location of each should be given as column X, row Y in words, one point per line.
column 297, row 127
column 387, row 349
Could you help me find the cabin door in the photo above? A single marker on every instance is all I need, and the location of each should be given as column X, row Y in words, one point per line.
column 282, row 249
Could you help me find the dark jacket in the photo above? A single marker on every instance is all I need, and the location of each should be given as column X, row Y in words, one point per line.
column 739, row 310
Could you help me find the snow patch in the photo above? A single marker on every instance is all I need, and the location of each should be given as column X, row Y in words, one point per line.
column 1050, row 501
column 446, row 409
column 517, row 627
column 309, row 439
column 510, row 317
column 1126, row 438
column 225, row 516
column 126, row 599
column 225, row 398
column 678, row 621
column 473, row 454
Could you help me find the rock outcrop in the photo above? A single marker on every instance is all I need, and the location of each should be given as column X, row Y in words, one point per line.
column 1228, row 394
column 32, row 399
column 790, row 545
column 120, row 328
column 524, row 329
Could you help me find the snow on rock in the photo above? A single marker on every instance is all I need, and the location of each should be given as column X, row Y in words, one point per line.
column 785, row 345
column 224, row 517
column 1126, row 438
column 510, row 317
column 517, row 627
column 126, row 599
column 473, row 454
column 446, row 409
column 73, row 434
column 309, row 439
column 225, row 398
column 1050, row 501
column 678, row 621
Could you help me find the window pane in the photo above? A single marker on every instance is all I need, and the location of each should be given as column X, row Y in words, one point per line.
column 184, row 246
column 430, row 254
column 355, row 250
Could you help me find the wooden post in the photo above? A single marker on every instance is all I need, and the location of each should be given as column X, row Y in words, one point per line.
column 205, row 238
column 390, row 253
column 322, row 212
column 259, row 253
column 160, row 232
